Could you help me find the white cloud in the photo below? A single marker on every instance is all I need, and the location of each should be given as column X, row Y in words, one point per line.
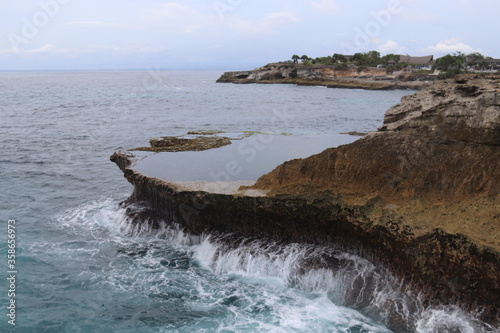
column 326, row 7
column 451, row 46
column 12, row 50
column 392, row 47
column 279, row 19
column 44, row 49
column 173, row 10
column 97, row 24
column 269, row 24
column 421, row 17
column 125, row 49
column 179, row 18
column 48, row 48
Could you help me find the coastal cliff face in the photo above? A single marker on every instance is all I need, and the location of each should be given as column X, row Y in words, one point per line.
column 431, row 172
column 369, row 78
column 419, row 197
column 440, row 145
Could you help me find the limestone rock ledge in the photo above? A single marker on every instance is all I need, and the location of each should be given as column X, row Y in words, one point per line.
column 330, row 76
column 429, row 178
column 420, row 197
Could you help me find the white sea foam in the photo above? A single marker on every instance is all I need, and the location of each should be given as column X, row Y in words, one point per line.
column 449, row 319
column 241, row 285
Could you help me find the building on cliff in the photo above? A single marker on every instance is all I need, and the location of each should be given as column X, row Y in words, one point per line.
column 425, row 61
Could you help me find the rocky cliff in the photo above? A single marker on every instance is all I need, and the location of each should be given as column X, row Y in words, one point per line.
column 419, row 197
column 438, row 147
column 352, row 77
column 431, row 174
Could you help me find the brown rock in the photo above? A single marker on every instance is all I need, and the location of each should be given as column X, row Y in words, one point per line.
column 420, row 197
column 348, row 77
column 430, row 178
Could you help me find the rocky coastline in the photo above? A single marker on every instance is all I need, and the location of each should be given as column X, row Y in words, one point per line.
column 419, row 197
column 347, row 77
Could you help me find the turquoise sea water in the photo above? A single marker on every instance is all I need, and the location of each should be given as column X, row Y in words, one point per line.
column 81, row 267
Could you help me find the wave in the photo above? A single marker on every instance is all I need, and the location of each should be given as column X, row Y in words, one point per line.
column 334, row 286
column 344, row 278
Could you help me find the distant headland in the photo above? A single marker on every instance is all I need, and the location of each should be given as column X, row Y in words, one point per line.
column 368, row 70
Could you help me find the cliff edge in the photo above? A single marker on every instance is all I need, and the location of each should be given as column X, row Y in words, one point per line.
column 419, row 197
column 430, row 176
column 434, row 162
column 331, row 76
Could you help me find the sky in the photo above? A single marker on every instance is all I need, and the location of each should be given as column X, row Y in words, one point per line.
column 234, row 34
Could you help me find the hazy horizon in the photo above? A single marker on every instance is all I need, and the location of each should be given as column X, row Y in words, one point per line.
column 41, row 35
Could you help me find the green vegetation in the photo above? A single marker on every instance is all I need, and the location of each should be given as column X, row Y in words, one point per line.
column 325, row 60
column 391, row 63
column 305, row 58
column 368, row 59
column 458, row 63
column 455, row 61
column 449, row 65
column 339, row 58
column 477, row 61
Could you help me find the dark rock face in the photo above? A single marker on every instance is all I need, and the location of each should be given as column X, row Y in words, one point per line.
column 420, row 197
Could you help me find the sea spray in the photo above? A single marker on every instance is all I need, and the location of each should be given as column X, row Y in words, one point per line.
column 343, row 278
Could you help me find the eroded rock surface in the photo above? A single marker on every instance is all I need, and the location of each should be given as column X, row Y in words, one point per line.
column 419, row 197
column 350, row 77
column 431, row 176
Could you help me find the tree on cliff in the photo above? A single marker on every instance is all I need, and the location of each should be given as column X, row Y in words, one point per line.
column 450, row 64
column 339, row 58
column 305, row 58
column 359, row 59
column 391, row 62
column 477, row 60
column 390, row 58
column 324, row 60
column 295, row 58
column 371, row 58
column 474, row 58
column 455, row 61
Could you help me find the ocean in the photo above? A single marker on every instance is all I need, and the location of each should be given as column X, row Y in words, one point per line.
column 80, row 266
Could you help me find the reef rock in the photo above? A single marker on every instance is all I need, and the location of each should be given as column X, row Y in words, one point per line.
column 331, row 76
column 430, row 177
column 420, row 197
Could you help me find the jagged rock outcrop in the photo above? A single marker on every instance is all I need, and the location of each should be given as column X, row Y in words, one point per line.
column 352, row 77
column 419, row 197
